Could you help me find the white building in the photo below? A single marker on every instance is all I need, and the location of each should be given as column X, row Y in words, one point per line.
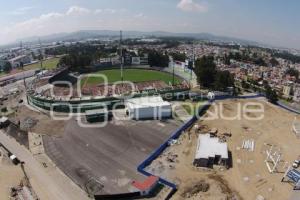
column 4, row 122
column 16, row 62
column 148, row 108
column 210, row 151
column 296, row 90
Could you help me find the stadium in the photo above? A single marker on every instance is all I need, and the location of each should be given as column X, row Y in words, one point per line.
column 63, row 91
column 104, row 161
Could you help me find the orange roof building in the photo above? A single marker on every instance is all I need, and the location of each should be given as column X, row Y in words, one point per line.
column 146, row 187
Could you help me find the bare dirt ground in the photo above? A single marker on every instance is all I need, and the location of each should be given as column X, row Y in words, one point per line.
column 249, row 178
column 38, row 122
column 10, row 176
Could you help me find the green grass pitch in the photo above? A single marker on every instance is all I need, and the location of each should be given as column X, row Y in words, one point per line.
column 133, row 75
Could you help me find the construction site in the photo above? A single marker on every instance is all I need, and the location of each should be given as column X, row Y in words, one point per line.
column 261, row 153
column 223, row 157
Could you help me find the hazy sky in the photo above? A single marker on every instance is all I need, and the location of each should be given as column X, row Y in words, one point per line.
column 274, row 22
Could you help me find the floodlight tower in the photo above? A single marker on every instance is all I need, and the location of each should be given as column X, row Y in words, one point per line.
column 173, row 74
column 41, row 55
column 21, row 51
column 21, row 46
column 121, row 57
column 193, row 63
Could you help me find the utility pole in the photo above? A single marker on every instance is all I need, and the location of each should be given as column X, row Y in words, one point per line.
column 24, row 81
column 121, row 57
column 173, row 65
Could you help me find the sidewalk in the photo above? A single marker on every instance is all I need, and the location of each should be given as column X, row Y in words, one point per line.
column 52, row 186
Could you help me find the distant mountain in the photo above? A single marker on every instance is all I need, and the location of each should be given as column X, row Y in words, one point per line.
column 98, row 34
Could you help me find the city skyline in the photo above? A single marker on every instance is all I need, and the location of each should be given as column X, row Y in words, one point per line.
column 268, row 22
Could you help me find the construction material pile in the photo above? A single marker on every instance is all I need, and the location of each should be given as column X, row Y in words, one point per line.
column 248, row 145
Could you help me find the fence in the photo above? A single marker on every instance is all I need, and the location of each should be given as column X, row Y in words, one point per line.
column 133, row 195
column 281, row 105
column 158, row 151
column 88, row 104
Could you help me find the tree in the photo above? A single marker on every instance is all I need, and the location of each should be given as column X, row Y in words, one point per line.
column 223, row 80
column 274, row 62
column 205, row 69
column 179, row 56
column 4, row 109
column 293, row 72
column 245, row 85
column 75, row 61
column 287, row 56
column 7, row 67
column 260, row 62
column 226, row 60
column 21, row 65
column 271, row 94
column 158, row 59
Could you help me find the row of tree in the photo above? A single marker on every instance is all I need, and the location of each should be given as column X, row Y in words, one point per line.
column 178, row 56
column 245, row 57
column 76, row 61
column 158, row 59
column 209, row 77
column 292, row 72
column 265, row 88
column 81, row 55
column 287, row 56
column 6, row 67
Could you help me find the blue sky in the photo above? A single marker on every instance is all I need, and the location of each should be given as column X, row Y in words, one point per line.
column 273, row 22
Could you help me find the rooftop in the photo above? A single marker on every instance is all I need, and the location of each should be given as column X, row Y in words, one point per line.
column 152, row 101
column 96, row 112
column 147, row 184
column 210, row 147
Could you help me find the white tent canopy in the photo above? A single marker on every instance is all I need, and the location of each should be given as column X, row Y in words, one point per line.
column 148, row 107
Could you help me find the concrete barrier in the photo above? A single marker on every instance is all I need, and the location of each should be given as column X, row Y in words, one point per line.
column 175, row 135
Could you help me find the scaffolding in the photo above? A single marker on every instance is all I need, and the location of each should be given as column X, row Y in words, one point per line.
column 296, row 127
column 272, row 160
column 292, row 175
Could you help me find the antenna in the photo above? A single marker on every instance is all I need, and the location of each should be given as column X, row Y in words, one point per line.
column 121, row 57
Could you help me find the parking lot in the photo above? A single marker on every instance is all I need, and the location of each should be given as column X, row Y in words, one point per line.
column 104, row 160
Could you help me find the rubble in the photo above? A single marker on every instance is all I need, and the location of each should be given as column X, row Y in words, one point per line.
column 28, row 123
column 201, row 186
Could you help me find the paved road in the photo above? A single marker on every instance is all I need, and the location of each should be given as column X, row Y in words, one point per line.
column 45, row 186
column 295, row 195
column 110, row 154
column 19, row 75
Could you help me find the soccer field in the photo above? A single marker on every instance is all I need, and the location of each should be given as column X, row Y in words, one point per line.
column 47, row 64
column 133, row 75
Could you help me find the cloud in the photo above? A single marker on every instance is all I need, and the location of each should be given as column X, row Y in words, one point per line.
column 73, row 19
column 21, row 11
column 191, row 6
column 140, row 15
column 109, row 11
column 76, row 10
